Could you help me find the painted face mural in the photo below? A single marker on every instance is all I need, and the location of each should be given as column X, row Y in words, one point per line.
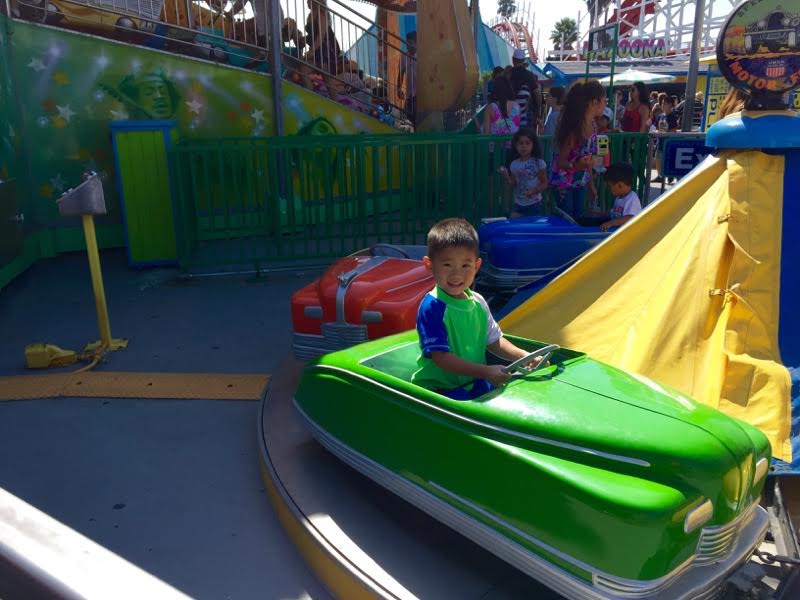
column 150, row 95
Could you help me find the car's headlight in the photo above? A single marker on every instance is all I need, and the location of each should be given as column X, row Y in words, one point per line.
column 762, row 467
column 786, row 21
column 762, row 24
column 698, row 516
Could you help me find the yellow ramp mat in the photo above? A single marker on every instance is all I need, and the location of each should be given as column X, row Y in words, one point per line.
column 97, row 384
column 687, row 294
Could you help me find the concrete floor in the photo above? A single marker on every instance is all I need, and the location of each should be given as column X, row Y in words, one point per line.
column 172, row 486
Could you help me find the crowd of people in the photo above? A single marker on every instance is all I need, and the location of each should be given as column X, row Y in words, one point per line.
column 314, row 59
column 574, row 118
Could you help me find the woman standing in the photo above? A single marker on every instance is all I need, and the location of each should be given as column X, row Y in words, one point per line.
column 503, row 115
column 637, row 110
column 575, row 144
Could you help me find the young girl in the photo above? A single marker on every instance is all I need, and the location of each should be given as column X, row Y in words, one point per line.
column 528, row 174
column 575, row 144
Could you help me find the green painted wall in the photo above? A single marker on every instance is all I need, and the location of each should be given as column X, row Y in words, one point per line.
column 70, row 86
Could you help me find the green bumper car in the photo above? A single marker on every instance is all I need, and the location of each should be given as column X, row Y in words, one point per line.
column 597, row 482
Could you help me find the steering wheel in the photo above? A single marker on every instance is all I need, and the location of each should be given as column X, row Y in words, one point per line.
column 390, row 248
column 566, row 216
column 518, row 366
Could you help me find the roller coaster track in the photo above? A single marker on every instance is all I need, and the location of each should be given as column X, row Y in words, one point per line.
column 518, row 35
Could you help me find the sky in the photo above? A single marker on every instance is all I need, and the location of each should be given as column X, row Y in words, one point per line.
column 547, row 13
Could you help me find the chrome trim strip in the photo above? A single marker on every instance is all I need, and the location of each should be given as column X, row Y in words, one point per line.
column 762, row 468
column 495, row 428
column 345, row 279
column 687, row 581
column 705, row 510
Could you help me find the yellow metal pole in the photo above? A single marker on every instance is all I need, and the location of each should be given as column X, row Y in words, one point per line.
column 97, row 281
column 106, row 341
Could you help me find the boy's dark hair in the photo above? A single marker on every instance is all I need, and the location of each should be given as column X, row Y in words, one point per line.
column 411, row 35
column 536, row 151
column 557, row 92
column 452, row 233
column 620, row 172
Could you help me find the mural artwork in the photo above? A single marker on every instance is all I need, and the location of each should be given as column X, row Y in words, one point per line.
column 71, row 86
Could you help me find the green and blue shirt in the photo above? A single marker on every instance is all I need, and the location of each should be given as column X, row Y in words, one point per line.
column 463, row 326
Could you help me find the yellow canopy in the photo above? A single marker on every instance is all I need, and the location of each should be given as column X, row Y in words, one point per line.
column 687, row 294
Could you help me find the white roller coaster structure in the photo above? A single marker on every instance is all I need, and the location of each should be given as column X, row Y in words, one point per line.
column 668, row 20
column 517, row 29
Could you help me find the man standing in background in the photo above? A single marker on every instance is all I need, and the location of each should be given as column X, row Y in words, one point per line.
column 526, row 88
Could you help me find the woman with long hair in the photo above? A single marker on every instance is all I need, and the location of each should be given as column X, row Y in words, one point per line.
column 637, row 110
column 732, row 103
column 503, row 115
column 575, row 143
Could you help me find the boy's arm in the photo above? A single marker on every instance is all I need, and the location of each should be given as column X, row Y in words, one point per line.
column 615, row 222
column 504, row 348
column 447, row 361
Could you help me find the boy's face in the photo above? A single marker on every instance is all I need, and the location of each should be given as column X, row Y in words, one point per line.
column 454, row 269
column 618, row 188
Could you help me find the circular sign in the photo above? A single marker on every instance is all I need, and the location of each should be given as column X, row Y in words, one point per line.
column 758, row 50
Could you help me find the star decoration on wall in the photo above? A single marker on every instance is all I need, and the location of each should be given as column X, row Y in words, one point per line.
column 37, row 65
column 65, row 112
column 194, row 106
column 58, row 183
column 61, row 78
column 258, row 116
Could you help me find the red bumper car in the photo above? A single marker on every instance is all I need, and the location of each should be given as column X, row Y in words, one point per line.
column 367, row 295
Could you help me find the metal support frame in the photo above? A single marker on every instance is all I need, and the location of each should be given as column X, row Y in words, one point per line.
column 694, row 65
column 275, row 51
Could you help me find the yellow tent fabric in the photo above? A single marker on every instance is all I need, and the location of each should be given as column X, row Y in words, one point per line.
column 687, row 294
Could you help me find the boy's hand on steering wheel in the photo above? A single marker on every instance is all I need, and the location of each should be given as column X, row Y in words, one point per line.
column 534, row 362
column 496, row 375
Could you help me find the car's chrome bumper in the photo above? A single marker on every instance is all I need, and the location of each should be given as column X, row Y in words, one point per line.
column 335, row 336
column 507, row 280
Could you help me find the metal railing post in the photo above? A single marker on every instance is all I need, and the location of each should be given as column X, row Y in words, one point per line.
column 694, row 65
column 275, row 62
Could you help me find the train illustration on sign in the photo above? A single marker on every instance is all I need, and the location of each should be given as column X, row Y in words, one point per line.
column 779, row 30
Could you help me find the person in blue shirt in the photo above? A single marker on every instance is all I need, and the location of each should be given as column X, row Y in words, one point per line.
column 454, row 323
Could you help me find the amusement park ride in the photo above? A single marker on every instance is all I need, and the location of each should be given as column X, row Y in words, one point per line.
column 517, row 30
column 669, row 20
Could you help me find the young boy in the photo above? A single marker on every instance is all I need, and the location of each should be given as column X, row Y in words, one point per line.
column 454, row 323
column 619, row 179
column 554, row 101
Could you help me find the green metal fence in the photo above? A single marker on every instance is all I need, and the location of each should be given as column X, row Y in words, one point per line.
column 265, row 202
